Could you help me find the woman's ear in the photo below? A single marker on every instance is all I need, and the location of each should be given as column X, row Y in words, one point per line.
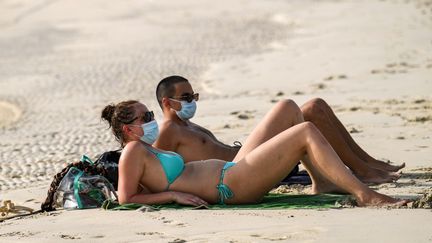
column 126, row 130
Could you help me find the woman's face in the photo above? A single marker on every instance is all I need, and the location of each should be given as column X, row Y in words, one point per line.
column 142, row 115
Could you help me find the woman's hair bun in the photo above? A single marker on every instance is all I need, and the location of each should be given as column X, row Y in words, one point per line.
column 108, row 112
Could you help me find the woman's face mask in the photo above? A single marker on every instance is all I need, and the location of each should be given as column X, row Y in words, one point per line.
column 150, row 130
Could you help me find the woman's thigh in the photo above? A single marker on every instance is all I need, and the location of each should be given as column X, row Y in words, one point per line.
column 266, row 165
column 281, row 117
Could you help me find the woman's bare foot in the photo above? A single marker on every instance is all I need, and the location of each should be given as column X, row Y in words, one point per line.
column 375, row 199
column 376, row 176
column 378, row 164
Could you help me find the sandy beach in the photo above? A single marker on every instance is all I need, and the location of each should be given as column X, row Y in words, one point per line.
column 62, row 61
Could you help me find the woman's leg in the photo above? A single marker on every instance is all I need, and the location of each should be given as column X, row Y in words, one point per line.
column 282, row 116
column 316, row 112
column 261, row 169
column 320, row 113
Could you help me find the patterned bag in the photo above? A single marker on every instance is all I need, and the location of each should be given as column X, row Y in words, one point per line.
column 77, row 190
column 106, row 166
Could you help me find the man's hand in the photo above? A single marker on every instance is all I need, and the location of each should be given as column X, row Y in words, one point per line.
column 188, row 199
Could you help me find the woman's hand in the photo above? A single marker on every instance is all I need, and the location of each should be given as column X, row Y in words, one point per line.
column 187, row 199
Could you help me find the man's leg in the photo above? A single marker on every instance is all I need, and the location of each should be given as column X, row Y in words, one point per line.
column 319, row 112
column 287, row 114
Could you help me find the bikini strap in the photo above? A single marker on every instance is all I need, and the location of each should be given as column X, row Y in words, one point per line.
column 224, row 191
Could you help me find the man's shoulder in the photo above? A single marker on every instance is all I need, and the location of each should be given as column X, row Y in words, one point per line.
column 169, row 126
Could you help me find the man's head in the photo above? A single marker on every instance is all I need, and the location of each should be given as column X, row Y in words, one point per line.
column 175, row 94
column 167, row 87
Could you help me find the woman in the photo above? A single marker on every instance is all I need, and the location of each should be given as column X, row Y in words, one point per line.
column 151, row 176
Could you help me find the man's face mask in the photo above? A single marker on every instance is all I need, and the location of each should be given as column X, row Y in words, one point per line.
column 187, row 111
column 188, row 104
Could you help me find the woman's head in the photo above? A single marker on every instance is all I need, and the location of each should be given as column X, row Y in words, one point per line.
column 128, row 120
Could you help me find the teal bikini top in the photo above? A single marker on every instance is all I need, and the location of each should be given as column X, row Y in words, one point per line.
column 172, row 164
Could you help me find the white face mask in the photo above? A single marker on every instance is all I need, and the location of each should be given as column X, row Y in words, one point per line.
column 187, row 111
column 151, row 132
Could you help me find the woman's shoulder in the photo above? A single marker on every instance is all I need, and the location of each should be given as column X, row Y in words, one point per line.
column 135, row 151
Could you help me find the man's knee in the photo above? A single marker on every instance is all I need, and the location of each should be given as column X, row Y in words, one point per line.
column 314, row 109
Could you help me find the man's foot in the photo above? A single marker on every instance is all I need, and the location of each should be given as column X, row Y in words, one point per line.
column 375, row 199
column 381, row 165
column 326, row 187
column 376, row 176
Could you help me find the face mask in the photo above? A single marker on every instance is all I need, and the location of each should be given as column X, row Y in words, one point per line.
column 151, row 132
column 187, row 111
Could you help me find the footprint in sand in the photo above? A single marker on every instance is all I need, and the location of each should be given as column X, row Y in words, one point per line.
column 171, row 222
column 245, row 115
column 396, row 67
column 149, row 233
column 69, row 237
column 301, row 235
column 174, row 223
column 177, row 241
column 319, row 86
column 298, row 93
column 19, row 234
column 9, row 113
column 231, row 126
column 278, row 94
column 354, row 130
column 97, row 236
column 334, row 77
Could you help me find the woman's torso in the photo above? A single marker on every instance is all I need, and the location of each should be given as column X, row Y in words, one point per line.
column 199, row 177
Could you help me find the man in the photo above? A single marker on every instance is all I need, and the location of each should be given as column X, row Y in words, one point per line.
column 177, row 133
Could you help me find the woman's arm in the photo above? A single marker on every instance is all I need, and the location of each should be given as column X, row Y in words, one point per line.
column 153, row 198
column 131, row 170
column 167, row 197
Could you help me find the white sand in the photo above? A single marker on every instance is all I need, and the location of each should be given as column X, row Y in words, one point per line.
column 62, row 61
column 9, row 113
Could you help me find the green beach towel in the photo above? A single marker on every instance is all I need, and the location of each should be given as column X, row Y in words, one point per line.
column 271, row 201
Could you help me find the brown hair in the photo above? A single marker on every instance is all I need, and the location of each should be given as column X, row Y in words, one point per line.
column 117, row 115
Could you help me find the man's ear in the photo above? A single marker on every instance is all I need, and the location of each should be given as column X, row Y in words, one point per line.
column 165, row 103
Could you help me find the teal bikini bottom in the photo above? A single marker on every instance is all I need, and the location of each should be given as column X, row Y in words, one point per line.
column 224, row 191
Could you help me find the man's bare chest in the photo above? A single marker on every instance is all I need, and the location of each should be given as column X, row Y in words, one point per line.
column 197, row 136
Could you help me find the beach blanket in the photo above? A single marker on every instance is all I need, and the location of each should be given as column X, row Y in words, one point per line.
column 271, row 201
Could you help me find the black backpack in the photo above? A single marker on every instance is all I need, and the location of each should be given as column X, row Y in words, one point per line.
column 108, row 162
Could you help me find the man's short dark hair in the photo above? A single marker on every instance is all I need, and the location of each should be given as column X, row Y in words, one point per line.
column 165, row 88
